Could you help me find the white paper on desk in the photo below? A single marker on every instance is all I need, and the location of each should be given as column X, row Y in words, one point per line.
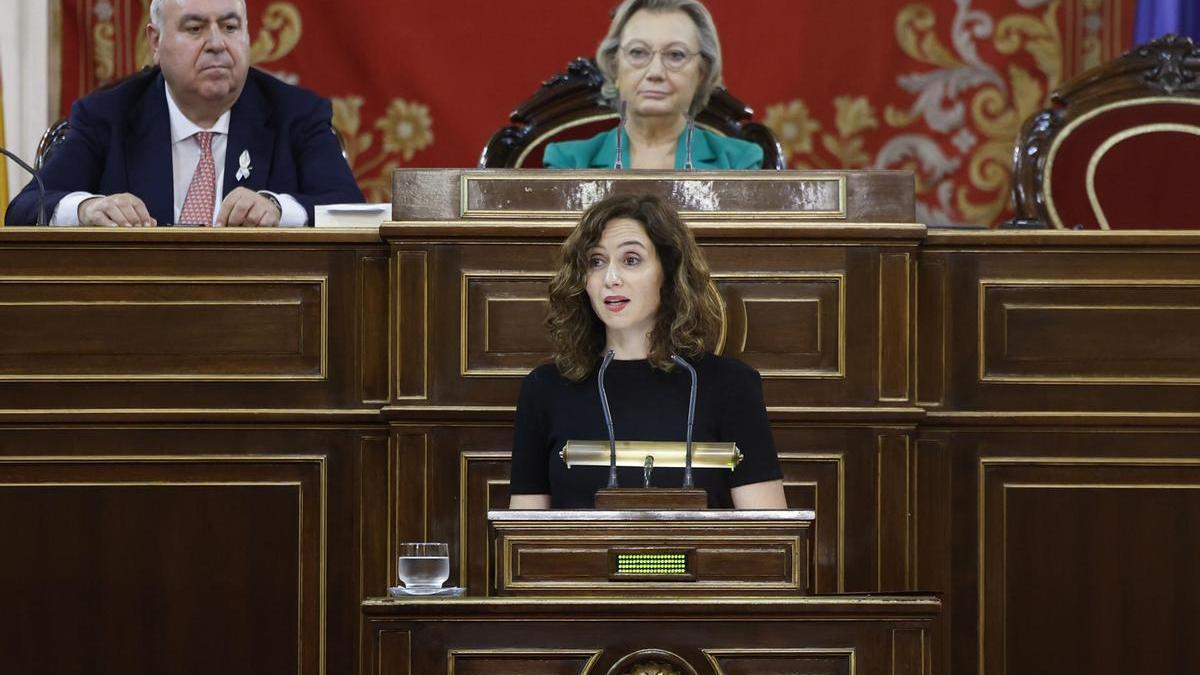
column 351, row 215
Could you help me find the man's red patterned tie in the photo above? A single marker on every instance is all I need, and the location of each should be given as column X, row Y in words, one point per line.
column 202, row 193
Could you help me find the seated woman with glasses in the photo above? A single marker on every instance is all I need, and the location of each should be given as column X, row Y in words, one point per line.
column 661, row 60
column 633, row 281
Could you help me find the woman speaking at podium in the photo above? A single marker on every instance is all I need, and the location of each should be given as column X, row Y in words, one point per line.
column 633, row 282
column 661, row 60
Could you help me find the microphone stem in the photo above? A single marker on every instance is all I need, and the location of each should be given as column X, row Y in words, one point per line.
column 691, row 128
column 619, row 164
column 687, row 466
column 612, row 438
column 41, row 217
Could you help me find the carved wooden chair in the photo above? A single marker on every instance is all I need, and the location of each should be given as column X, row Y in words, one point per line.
column 1117, row 148
column 54, row 135
column 568, row 106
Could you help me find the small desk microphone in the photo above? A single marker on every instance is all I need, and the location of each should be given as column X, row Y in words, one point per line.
column 620, row 163
column 687, row 462
column 612, row 437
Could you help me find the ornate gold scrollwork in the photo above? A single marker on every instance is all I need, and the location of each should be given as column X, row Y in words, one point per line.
column 999, row 115
column 105, row 50
column 964, row 115
column 281, row 29
column 142, row 45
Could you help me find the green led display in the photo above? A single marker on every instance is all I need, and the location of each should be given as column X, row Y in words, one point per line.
column 652, row 563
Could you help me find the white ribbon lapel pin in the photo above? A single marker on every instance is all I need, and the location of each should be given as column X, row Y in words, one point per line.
column 243, row 171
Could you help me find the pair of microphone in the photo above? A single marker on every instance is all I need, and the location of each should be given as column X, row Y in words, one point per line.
column 619, row 164
column 612, row 438
column 41, row 217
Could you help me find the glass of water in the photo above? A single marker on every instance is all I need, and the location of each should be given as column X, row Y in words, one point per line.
column 424, row 566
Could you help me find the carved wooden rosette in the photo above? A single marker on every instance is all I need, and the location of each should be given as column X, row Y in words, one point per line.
column 652, row 662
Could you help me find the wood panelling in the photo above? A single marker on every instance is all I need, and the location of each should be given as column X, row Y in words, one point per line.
column 1115, row 331
column 373, row 330
column 1045, row 484
column 1072, row 549
column 1052, row 471
column 375, row 526
column 817, row 480
column 795, row 313
column 893, row 509
column 910, row 652
column 933, row 511
column 756, row 661
column 501, row 324
column 450, row 295
column 175, row 328
column 218, row 556
column 895, row 326
column 929, row 331
column 1103, row 325
column 746, row 635
column 153, row 536
column 786, row 325
column 392, row 654
column 159, row 325
column 410, row 312
column 532, row 662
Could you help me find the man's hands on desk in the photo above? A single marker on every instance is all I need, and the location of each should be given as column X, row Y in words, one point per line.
column 242, row 207
column 121, row 210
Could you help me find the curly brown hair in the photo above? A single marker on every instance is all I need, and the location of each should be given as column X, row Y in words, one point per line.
column 689, row 314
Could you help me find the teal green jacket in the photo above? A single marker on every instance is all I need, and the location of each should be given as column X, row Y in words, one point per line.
column 709, row 151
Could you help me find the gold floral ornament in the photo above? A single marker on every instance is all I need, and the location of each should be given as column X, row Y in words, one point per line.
column 854, row 116
column 281, row 30
column 406, row 128
column 792, row 125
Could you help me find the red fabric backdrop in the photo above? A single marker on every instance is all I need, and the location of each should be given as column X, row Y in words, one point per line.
column 938, row 86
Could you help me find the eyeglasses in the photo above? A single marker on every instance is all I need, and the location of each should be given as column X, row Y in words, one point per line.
column 674, row 58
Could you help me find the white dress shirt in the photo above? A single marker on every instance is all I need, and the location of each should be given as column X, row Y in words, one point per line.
column 185, row 157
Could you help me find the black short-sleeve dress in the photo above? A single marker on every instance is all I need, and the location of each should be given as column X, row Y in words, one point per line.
column 647, row 404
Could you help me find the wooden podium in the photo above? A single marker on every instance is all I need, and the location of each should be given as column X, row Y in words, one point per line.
column 653, row 635
column 643, row 591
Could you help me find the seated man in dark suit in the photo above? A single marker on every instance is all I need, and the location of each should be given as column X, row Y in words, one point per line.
column 201, row 139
